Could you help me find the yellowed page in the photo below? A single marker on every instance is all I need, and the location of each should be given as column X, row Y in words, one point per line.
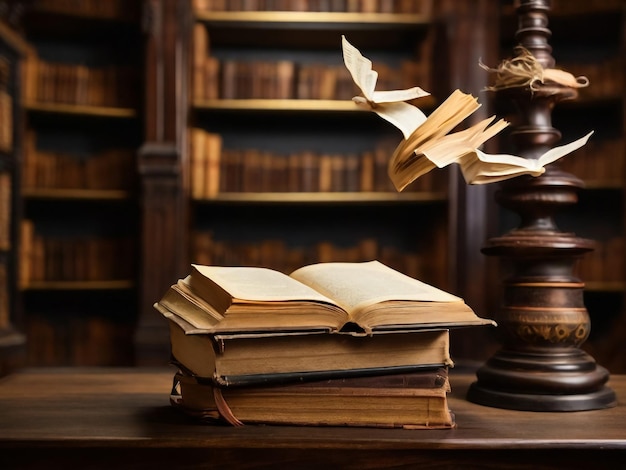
column 480, row 168
column 408, row 161
column 365, row 78
column 404, row 116
column 259, row 284
column 354, row 286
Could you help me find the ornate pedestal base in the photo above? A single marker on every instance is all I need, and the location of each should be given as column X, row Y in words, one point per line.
column 558, row 381
column 543, row 320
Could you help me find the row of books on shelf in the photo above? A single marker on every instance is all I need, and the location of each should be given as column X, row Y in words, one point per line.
column 285, row 79
column 6, row 105
column 569, row 7
column 600, row 160
column 5, row 210
column 77, row 338
column 216, row 170
column 279, row 255
column 230, row 78
column 112, row 168
column 6, row 121
column 605, row 263
column 5, row 309
column 72, row 257
column 606, row 78
column 329, row 344
column 78, row 84
column 351, row 6
column 111, row 9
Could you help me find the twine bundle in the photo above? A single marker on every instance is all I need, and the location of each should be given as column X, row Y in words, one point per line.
column 525, row 71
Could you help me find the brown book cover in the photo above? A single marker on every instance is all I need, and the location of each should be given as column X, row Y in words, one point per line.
column 212, row 164
column 260, row 358
column 310, row 165
column 200, row 55
column 415, row 400
column 198, row 166
column 211, row 78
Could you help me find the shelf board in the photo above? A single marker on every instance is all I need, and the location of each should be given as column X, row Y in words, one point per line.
column 303, row 19
column 584, row 101
column 326, row 197
column 79, row 285
column 76, row 194
column 598, row 184
column 580, row 9
column 81, row 110
column 81, row 15
column 304, row 106
column 605, row 286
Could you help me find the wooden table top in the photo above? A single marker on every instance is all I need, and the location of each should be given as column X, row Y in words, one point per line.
column 91, row 411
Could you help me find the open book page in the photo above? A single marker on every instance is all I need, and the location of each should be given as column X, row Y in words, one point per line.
column 254, row 284
column 179, row 298
column 480, row 168
column 389, row 104
column 365, row 78
column 355, row 286
column 452, row 147
column 404, row 116
column 408, row 162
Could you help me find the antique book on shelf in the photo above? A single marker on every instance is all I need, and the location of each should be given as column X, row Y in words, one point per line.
column 416, row 400
column 249, row 358
column 364, row 298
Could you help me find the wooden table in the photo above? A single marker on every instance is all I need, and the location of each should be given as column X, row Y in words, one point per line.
column 121, row 418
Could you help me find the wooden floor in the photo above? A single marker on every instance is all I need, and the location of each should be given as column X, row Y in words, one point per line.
column 121, row 418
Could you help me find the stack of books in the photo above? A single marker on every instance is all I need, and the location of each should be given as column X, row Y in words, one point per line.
column 331, row 344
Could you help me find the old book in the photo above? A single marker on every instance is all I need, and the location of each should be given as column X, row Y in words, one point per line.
column 200, row 54
column 428, row 141
column 412, row 401
column 213, row 156
column 198, row 162
column 252, row 358
column 361, row 297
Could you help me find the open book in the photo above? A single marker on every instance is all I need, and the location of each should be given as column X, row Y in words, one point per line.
column 428, row 142
column 359, row 298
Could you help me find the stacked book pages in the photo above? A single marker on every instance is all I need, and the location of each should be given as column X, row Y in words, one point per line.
column 331, row 344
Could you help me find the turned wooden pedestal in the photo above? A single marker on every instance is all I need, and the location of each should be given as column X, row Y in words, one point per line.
column 542, row 321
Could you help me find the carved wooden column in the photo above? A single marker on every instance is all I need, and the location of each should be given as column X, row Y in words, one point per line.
column 159, row 160
column 543, row 319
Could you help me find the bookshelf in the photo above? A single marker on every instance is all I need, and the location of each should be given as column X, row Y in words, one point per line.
column 293, row 153
column 13, row 49
column 588, row 39
column 78, row 240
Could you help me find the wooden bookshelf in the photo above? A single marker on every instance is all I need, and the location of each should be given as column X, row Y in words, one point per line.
column 299, row 105
column 13, row 50
column 82, row 131
column 81, row 110
column 76, row 194
column 80, row 285
column 316, row 198
column 344, row 20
